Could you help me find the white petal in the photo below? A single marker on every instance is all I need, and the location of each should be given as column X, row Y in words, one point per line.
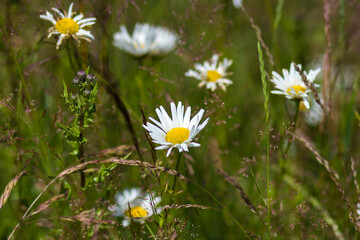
column 61, row 38
column 70, row 10
column 85, row 33
column 78, row 17
column 58, row 12
column 169, row 151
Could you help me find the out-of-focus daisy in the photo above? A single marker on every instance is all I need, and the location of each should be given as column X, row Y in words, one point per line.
column 145, row 40
column 358, row 209
column 178, row 131
column 315, row 114
column 133, row 204
column 67, row 26
column 292, row 85
column 212, row 74
column 237, row 3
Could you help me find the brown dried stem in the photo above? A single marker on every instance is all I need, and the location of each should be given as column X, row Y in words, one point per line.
column 9, row 187
column 258, row 35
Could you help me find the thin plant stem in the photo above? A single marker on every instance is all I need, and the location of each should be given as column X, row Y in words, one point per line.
column 267, row 134
column 293, row 130
column 151, row 232
column 179, row 158
column 81, row 147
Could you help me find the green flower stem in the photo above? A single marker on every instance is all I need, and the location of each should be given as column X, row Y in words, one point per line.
column 151, row 232
column 179, row 158
column 293, row 130
column 81, row 147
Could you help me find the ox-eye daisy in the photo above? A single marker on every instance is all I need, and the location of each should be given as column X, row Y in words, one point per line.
column 145, row 40
column 178, row 131
column 133, row 204
column 212, row 74
column 292, row 85
column 66, row 26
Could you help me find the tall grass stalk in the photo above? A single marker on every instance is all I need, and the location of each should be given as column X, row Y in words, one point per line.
column 267, row 137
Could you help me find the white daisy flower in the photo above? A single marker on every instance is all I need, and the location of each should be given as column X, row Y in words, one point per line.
column 134, row 205
column 292, row 85
column 212, row 74
column 66, row 26
column 177, row 132
column 145, row 40
column 237, row 3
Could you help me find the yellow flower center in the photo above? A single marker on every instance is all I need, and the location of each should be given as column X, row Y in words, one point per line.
column 212, row 76
column 297, row 89
column 136, row 212
column 67, row 26
column 177, row 135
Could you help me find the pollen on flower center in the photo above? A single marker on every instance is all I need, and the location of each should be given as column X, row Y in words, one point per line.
column 177, row 135
column 136, row 212
column 297, row 89
column 67, row 26
column 212, row 76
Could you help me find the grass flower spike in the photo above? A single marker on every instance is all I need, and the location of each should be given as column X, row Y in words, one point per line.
column 178, row 131
column 66, row 26
column 145, row 40
column 292, row 86
column 212, row 74
column 133, row 204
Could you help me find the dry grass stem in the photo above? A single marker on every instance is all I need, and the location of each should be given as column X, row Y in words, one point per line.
column 9, row 187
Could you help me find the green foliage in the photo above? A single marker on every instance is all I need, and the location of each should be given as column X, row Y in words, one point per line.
column 50, row 113
column 82, row 103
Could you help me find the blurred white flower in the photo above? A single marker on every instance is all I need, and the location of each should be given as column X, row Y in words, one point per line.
column 292, row 85
column 358, row 209
column 212, row 74
column 237, row 3
column 66, row 26
column 315, row 114
column 145, row 40
column 177, row 132
column 134, row 205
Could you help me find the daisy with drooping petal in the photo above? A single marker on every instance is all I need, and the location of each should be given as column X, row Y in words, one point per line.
column 134, row 205
column 212, row 74
column 292, row 85
column 145, row 40
column 178, row 131
column 66, row 26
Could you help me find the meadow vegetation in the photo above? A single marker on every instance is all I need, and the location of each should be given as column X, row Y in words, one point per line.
column 268, row 149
